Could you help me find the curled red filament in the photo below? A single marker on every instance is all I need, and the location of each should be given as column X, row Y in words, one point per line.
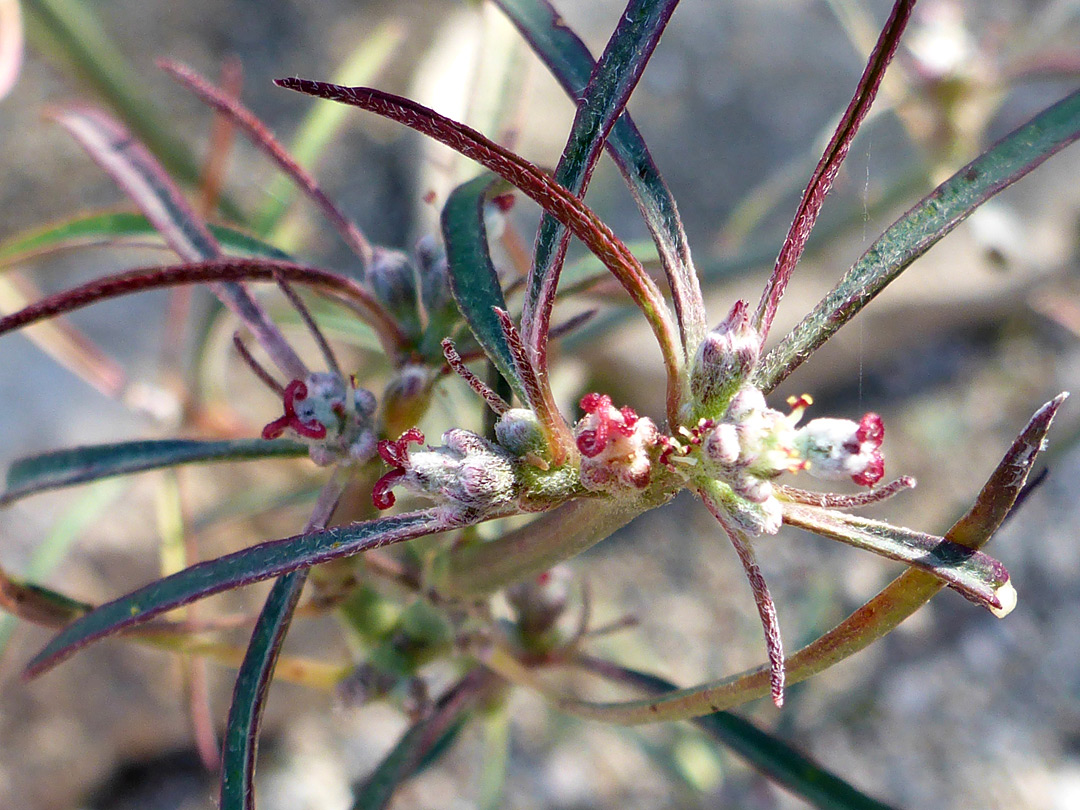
column 396, row 454
column 295, row 392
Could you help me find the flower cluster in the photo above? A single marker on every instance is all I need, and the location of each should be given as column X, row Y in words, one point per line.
column 751, row 444
column 467, row 472
column 616, row 446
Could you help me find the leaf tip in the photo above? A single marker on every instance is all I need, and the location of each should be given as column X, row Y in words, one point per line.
column 1006, row 597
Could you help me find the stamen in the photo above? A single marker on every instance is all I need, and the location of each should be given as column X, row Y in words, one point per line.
column 294, row 392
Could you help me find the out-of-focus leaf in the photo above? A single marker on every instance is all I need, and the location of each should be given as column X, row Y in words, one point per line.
column 433, row 732
column 229, row 107
column 11, row 45
column 107, row 227
column 241, row 742
column 62, row 468
column 75, row 31
column 570, row 62
column 244, row 567
column 496, row 757
column 473, row 280
column 920, row 228
column 769, row 754
column 62, row 341
column 322, row 124
column 138, row 173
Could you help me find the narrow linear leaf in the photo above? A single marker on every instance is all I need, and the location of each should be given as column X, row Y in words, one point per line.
column 522, row 174
column 972, row 574
column 78, row 34
column 920, row 229
column 106, row 228
column 64, row 343
column 241, row 743
column 266, row 143
column 425, row 736
column 244, row 567
column 824, row 175
column 769, row 754
column 601, row 103
column 495, row 757
column 219, row 271
column 63, row 468
column 569, row 60
column 713, row 498
column 473, row 280
column 135, row 170
column 875, row 619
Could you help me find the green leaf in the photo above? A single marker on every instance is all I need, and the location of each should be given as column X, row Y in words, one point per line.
column 74, row 30
column 423, row 739
column 974, row 575
column 920, row 228
column 54, row 546
column 770, row 755
column 105, row 228
column 473, row 280
column 569, row 60
column 244, row 567
column 241, row 743
column 599, row 105
column 78, row 465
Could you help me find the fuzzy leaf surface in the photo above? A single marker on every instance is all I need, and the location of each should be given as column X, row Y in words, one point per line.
column 920, row 229
column 244, row 567
column 62, row 468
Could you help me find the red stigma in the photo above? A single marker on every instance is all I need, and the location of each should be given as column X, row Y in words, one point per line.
column 295, row 392
column 381, row 495
column 396, row 454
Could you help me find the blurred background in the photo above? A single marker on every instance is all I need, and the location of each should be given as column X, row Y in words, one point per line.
column 956, row 709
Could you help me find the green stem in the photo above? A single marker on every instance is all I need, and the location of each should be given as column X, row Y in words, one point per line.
column 550, row 539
